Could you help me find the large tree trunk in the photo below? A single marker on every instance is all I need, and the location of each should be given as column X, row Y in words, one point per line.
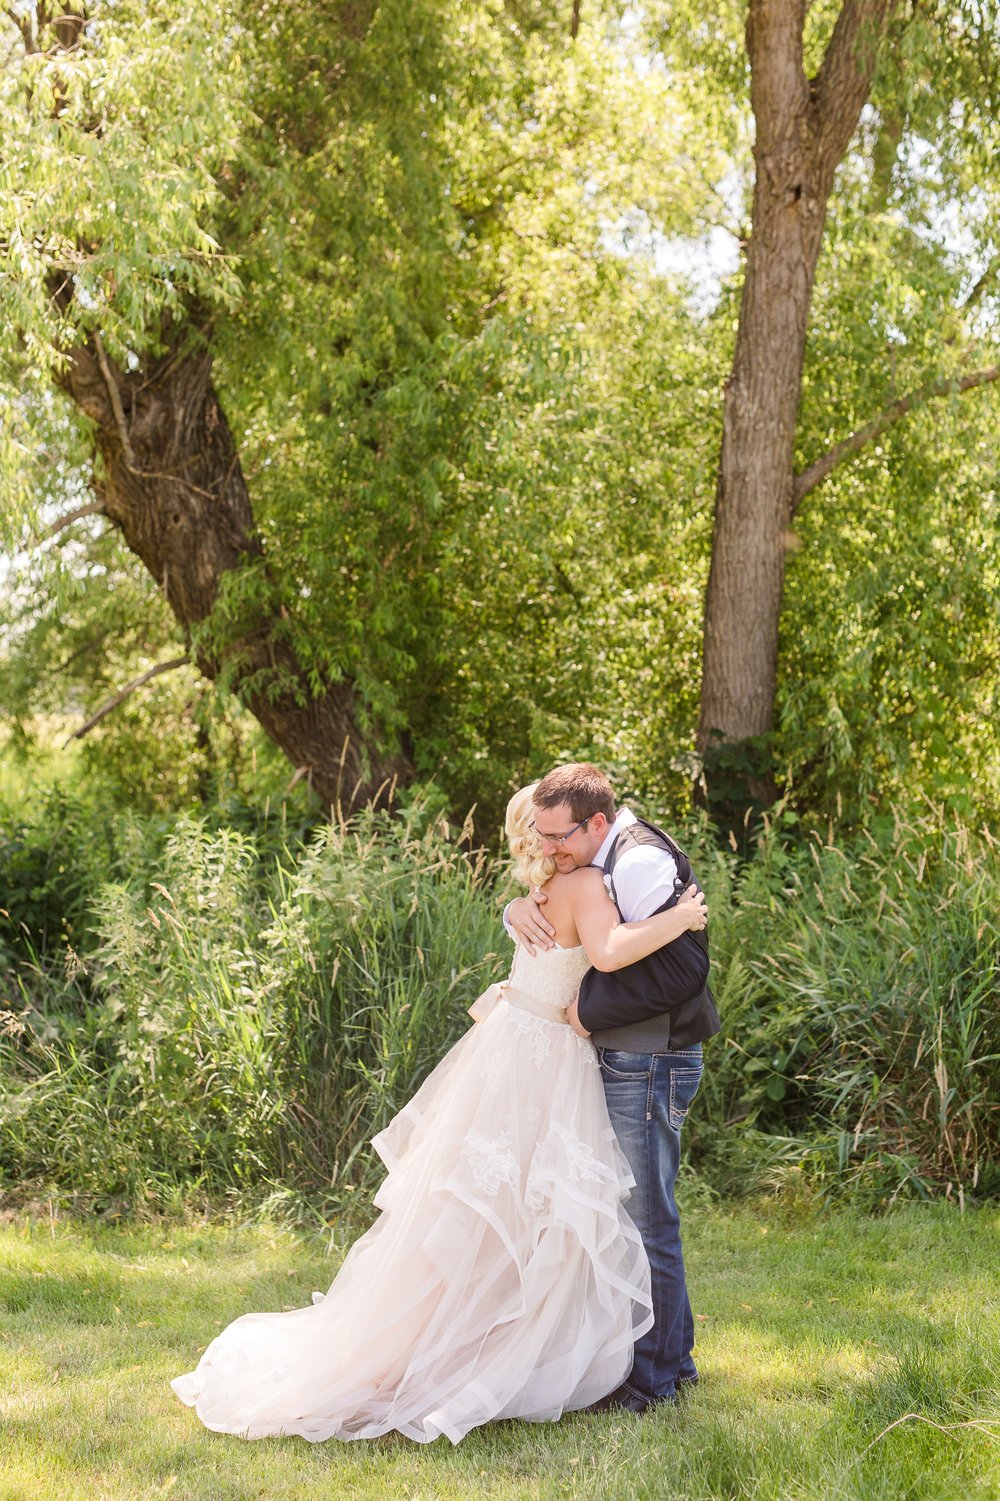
column 170, row 479
column 803, row 129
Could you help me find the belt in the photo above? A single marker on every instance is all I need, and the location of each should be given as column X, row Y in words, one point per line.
column 490, row 998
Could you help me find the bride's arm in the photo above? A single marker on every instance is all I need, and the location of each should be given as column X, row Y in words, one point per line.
column 611, row 944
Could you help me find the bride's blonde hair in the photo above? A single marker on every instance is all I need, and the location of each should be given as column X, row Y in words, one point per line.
column 530, row 867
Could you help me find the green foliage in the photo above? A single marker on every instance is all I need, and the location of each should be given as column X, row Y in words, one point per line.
column 120, row 146
column 248, row 1013
column 50, row 864
column 860, row 986
column 424, row 250
column 480, row 424
column 250, row 1026
column 480, row 419
column 64, row 835
column 841, row 1355
column 889, row 637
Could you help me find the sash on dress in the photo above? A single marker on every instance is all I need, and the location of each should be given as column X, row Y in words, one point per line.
column 487, row 1003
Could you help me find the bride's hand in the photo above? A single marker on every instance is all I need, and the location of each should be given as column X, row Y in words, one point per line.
column 525, row 917
column 573, row 1017
column 694, row 905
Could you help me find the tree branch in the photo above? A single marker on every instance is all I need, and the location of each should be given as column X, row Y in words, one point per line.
column 817, row 472
column 93, row 644
column 114, row 396
column 574, row 24
column 843, row 82
column 27, row 24
column 112, row 703
column 94, row 508
column 981, row 285
column 777, row 76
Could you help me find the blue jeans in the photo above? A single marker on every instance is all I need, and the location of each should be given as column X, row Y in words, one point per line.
column 648, row 1096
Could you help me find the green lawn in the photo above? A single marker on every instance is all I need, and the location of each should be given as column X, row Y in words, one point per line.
column 815, row 1335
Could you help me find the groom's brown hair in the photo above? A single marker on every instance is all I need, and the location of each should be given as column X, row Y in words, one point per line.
column 584, row 787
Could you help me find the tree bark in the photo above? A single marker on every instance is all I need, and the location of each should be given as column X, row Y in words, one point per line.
column 803, row 127
column 171, row 480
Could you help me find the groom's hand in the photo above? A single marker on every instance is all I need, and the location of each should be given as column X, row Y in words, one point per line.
column 573, row 1017
column 525, row 917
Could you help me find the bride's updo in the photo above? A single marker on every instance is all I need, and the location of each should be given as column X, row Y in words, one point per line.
column 530, row 867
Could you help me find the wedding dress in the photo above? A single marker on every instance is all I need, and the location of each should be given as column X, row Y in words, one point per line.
column 503, row 1277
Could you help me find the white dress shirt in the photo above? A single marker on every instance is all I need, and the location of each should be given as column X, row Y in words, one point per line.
column 644, row 875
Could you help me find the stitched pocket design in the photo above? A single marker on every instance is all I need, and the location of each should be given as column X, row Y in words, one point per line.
column 683, row 1088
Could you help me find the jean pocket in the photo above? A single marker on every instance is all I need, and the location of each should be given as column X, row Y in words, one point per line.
column 683, row 1088
column 625, row 1065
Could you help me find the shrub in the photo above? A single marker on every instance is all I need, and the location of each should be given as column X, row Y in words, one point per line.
column 860, row 991
column 247, row 1020
column 252, row 1028
column 51, row 859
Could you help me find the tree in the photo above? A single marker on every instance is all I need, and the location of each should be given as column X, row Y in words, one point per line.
column 334, row 218
column 382, row 300
column 373, row 307
column 152, row 152
column 804, row 126
column 167, row 470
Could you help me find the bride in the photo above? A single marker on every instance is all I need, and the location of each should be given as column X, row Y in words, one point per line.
column 503, row 1277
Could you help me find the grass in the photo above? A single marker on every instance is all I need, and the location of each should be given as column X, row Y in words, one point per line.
column 244, row 1016
column 817, row 1333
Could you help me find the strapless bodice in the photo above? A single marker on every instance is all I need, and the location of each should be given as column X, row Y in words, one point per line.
column 552, row 975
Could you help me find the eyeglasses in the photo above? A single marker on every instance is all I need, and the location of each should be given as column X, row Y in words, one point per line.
column 561, row 838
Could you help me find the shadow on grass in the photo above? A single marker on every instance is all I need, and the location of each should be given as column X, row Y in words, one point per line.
column 817, row 1337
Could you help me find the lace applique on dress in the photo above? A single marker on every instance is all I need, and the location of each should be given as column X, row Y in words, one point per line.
column 552, row 974
column 537, row 1028
column 584, row 1166
column 564, row 1154
column 534, row 1192
column 491, row 1064
column 492, row 1162
column 586, row 1047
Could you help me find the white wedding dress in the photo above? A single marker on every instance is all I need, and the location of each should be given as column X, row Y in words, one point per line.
column 503, row 1278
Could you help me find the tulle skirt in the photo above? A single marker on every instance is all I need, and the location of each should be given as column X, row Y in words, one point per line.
column 502, row 1279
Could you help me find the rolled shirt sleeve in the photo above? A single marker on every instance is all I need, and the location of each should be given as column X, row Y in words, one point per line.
column 644, row 880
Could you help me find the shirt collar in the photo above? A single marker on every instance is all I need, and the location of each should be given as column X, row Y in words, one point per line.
column 624, row 818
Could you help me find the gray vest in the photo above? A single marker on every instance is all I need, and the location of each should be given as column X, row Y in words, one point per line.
column 661, row 1003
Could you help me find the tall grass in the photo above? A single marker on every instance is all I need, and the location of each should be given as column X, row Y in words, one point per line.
column 240, row 1024
column 860, row 989
column 250, row 1030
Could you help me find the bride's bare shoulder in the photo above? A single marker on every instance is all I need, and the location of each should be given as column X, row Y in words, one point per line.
column 573, row 883
column 570, row 895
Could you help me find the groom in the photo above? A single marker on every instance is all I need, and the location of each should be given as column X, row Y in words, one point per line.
column 648, row 1023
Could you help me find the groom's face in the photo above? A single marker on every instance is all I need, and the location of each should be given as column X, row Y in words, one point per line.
column 562, row 836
